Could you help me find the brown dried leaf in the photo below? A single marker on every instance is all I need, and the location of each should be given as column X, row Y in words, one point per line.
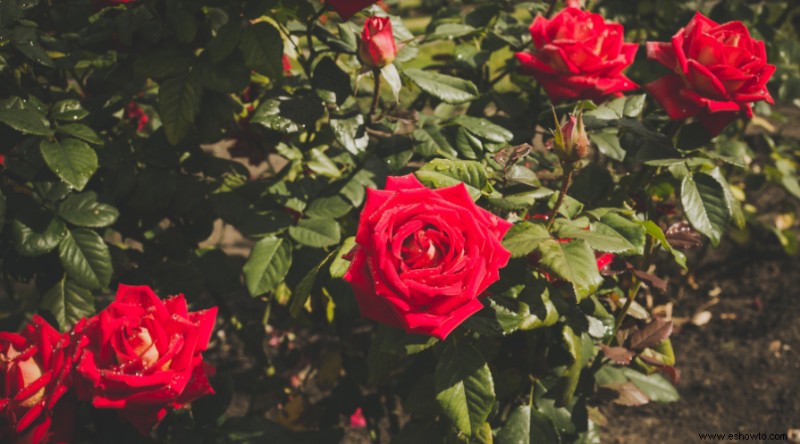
column 651, row 280
column 620, row 355
column 654, row 332
column 682, row 236
column 628, row 394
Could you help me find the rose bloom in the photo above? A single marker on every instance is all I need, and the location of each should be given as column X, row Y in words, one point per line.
column 377, row 47
column 141, row 355
column 136, row 115
column 578, row 55
column 349, row 8
column 423, row 257
column 717, row 71
column 35, row 366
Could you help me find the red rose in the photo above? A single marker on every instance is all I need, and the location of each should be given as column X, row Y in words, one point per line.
column 34, row 367
column 377, row 48
column 142, row 355
column 578, row 55
column 717, row 71
column 136, row 114
column 423, row 256
column 349, row 8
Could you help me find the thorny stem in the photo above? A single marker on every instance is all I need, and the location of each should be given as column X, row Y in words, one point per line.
column 569, row 170
column 632, row 292
column 376, row 94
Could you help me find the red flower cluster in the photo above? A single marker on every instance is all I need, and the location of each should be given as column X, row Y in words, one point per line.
column 717, row 70
column 140, row 356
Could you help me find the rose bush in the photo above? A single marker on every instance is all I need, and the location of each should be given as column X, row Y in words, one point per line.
column 258, row 155
column 717, row 72
column 423, row 256
column 579, row 55
column 35, row 373
column 142, row 355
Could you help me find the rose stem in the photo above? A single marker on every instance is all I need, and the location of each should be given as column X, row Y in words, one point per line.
column 376, row 94
column 569, row 169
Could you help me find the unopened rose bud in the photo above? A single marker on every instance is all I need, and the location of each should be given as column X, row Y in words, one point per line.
column 377, row 48
column 573, row 143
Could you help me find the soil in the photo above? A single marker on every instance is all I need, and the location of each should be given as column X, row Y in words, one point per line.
column 740, row 369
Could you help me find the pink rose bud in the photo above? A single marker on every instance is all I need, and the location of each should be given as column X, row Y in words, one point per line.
column 377, row 48
column 717, row 71
column 573, row 144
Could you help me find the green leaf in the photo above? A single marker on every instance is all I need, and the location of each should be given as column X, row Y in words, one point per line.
column 607, row 142
column 86, row 258
column 484, row 129
column 80, row 131
column 524, row 237
column 328, row 207
column 303, row 290
column 3, row 205
column 225, row 42
column 179, row 102
column 68, row 110
column 655, row 232
column 228, row 76
column 392, row 77
column 447, row 88
column 316, row 232
column 568, row 382
column 441, row 173
column 517, row 429
column 634, row 105
column 736, row 208
column 30, row 243
column 68, row 302
column 262, row 47
column 84, row 210
column 573, row 262
column 267, row 265
column 464, row 387
column 70, row 159
column 350, row 133
column 339, row 265
column 269, row 114
column 705, row 205
column 655, row 386
column 330, row 78
column 612, row 224
column 26, row 121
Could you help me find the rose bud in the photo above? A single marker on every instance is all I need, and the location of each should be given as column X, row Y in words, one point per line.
column 142, row 355
column 578, row 55
column 35, row 366
column 573, row 144
column 377, row 47
column 424, row 257
column 716, row 72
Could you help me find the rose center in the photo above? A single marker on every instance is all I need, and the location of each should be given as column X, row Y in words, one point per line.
column 29, row 370
column 141, row 343
column 422, row 249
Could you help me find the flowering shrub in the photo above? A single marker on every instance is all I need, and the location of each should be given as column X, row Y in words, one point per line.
column 391, row 222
